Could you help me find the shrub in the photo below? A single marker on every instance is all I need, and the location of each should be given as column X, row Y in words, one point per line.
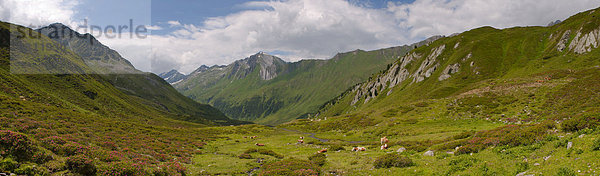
column 564, row 171
column 461, row 164
column 245, row 156
column 581, row 122
column 16, row 144
column 463, row 135
column 123, row 168
column 53, row 143
column 7, row 165
column 81, row 164
column 264, row 152
column 467, row 149
column 336, row 148
column 392, row 160
column 41, row 157
column 561, row 143
column 31, row 170
column 293, row 167
column 596, row 144
column 318, row 159
column 521, row 167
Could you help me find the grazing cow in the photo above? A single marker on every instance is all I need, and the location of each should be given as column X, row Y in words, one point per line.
column 356, row 149
column 322, row 151
column 384, row 146
column 384, row 140
column 300, row 141
column 257, row 144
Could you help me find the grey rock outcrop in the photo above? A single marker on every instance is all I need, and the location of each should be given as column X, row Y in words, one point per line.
column 583, row 43
column 429, row 65
column 562, row 44
column 451, row 69
column 393, row 76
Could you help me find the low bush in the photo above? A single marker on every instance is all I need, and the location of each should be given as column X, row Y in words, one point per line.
column 336, row 148
column 7, row 165
column 590, row 121
column 521, row 167
column 596, row 144
column 509, row 135
column 81, row 164
column 291, row 167
column 28, row 169
column 392, row 160
column 460, row 164
column 264, row 152
column 564, row 171
column 318, row 159
column 123, row 168
column 561, row 143
column 470, row 148
column 16, row 144
column 245, row 156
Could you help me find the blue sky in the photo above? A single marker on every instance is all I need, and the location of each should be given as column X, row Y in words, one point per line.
column 189, row 33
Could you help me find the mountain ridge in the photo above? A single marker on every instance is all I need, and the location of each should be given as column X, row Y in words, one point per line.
column 266, row 89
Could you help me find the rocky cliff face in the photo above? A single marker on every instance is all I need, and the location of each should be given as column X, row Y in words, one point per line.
column 269, row 66
column 398, row 72
column 100, row 58
column 172, row 76
column 585, row 42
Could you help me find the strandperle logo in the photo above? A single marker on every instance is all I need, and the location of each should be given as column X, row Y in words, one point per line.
column 32, row 53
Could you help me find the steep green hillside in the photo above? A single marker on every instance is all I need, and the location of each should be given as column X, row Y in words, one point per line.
column 485, row 61
column 267, row 90
column 69, row 124
column 152, row 90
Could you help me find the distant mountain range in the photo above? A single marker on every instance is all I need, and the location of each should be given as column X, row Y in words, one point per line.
column 172, row 76
column 266, row 89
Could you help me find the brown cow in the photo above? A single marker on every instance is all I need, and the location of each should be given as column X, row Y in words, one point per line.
column 355, row 149
column 384, row 140
column 322, row 151
column 384, row 146
column 540, row 81
column 257, row 144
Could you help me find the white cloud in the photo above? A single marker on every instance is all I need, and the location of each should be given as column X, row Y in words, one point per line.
column 431, row 17
column 154, row 28
column 306, row 28
column 174, row 23
column 37, row 13
column 319, row 29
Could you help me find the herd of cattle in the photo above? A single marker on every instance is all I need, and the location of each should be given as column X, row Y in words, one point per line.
column 383, row 141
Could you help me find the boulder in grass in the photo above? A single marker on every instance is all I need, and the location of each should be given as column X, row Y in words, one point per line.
column 428, row 153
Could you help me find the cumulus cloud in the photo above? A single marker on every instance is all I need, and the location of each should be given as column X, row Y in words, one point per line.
column 299, row 29
column 319, row 29
column 36, row 13
column 432, row 17
column 174, row 23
